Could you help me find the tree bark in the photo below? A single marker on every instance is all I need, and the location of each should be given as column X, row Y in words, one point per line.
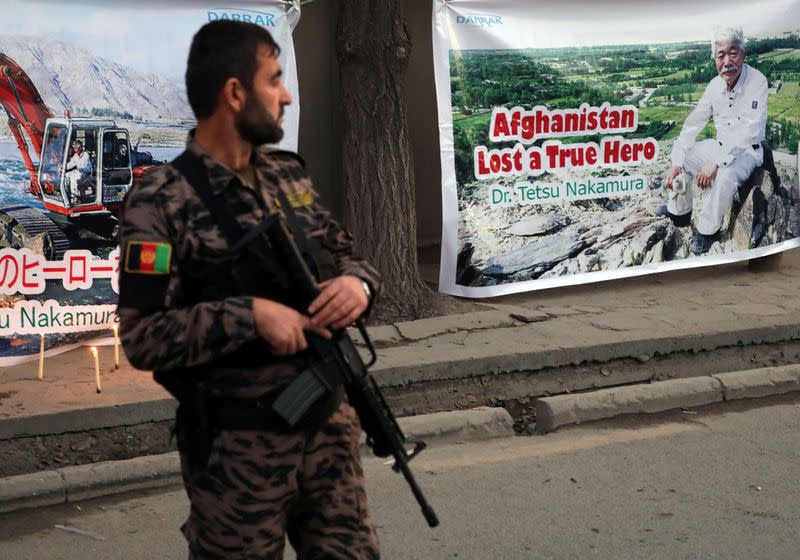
column 373, row 48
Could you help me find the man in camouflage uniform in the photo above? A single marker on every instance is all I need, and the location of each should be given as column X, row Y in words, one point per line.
column 184, row 315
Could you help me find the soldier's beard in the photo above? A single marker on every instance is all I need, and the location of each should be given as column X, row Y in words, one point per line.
column 256, row 125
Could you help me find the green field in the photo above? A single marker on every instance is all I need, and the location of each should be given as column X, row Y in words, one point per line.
column 786, row 103
column 581, row 78
column 679, row 75
column 474, row 120
column 638, row 80
column 694, row 95
column 664, row 113
column 780, row 54
column 677, row 113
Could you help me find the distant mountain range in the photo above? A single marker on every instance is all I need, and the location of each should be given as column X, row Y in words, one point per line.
column 70, row 77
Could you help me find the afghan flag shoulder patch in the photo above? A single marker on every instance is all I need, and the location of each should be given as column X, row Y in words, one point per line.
column 148, row 257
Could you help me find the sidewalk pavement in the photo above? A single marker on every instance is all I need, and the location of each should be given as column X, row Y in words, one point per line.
column 512, row 355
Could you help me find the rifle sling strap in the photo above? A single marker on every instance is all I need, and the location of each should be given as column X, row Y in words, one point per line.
column 311, row 384
column 196, row 174
column 192, row 168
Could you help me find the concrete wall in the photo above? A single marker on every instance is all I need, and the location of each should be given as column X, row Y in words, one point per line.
column 320, row 111
column 315, row 49
column 423, row 124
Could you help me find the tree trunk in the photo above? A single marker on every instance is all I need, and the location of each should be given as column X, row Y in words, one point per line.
column 373, row 49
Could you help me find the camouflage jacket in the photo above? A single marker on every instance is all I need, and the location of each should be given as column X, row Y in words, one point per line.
column 158, row 329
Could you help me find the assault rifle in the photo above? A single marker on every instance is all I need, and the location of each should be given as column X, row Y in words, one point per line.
column 337, row 362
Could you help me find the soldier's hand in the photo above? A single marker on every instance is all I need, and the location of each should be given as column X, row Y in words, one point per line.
column 341, row 301
column 707, row 175
column 283, row 327
column 672, row 173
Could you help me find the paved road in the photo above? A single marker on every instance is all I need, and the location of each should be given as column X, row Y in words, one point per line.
column 720, row 482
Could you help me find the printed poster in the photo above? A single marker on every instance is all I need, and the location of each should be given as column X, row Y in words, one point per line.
column 93, row 96
column 584, row 141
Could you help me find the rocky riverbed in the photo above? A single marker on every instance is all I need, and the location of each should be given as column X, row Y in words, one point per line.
column 525, row 242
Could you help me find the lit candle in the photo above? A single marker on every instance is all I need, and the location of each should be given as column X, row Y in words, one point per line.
column 116, row 346
column 96, row 368
column 41, row 359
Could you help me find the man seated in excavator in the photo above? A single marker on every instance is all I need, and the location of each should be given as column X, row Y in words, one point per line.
column 79, row 169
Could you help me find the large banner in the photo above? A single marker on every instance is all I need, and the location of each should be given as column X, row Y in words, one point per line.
column 590, row 140
column 93, row 96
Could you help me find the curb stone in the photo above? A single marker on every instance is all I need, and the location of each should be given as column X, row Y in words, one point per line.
column 552, row 412
column 768, row 381
column 70, row 484
column 112, row 477
column 32, row 490
column 561, row 410
column 459, row 425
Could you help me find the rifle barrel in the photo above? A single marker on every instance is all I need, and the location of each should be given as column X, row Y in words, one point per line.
column 427, row 510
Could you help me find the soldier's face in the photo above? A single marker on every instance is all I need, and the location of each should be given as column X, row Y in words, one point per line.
column 260, row 120
column 729, row 60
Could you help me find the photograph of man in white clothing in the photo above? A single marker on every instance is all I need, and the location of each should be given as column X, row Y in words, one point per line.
column 736, row 99
column 78, row 167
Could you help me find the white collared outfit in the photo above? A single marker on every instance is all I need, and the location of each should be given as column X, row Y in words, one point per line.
column 80, row 166
column 740, row 117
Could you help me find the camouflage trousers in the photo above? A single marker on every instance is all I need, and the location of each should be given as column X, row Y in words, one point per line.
column 260, row 487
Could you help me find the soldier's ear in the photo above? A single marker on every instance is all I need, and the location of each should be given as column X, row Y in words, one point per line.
column 233, row 95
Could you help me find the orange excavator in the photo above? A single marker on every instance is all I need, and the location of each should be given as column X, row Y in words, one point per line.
column 85, row 167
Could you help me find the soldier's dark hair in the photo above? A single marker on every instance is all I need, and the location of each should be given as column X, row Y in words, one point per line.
column 221, row 50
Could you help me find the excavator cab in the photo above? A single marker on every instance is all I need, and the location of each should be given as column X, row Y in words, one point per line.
column 85, row 166
column 116, row 171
